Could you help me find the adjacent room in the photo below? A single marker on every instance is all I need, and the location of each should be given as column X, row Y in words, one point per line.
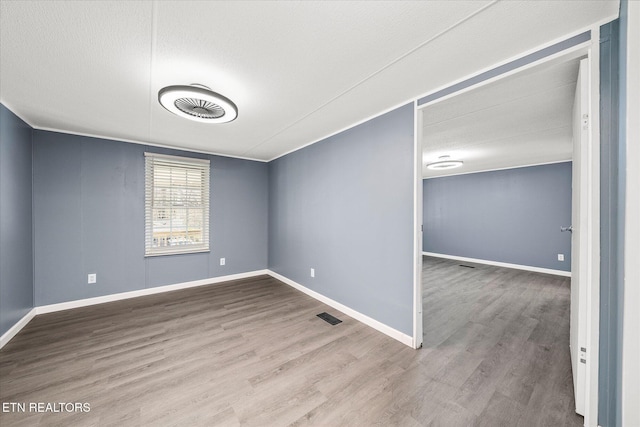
column 227, row 213
column 497, row 265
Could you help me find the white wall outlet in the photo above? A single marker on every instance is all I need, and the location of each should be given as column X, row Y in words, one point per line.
column 313, row 272
column 223, row 261
column 92, row 278
column 560, row 257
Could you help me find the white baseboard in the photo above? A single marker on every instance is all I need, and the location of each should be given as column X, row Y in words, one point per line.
column 385, row 329
column 13, row 331
column 142, row 292
column 50, row 308
column 501, row 264
column 381, row 327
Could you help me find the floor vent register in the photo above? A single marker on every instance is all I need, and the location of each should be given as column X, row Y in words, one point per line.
column 329, row 318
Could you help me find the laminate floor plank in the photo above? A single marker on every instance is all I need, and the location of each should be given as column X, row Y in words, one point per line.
column 252, row 352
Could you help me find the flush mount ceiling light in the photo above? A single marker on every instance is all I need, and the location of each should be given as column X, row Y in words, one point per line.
column 444, row 162
column 199, row 103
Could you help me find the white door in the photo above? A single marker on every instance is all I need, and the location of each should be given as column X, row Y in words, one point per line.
column 579, row 209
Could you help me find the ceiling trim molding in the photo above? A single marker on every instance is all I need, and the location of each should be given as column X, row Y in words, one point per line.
column 150, row 144
column 8, row 107
column 499, row 169
column 128, row 141
column 344, row 129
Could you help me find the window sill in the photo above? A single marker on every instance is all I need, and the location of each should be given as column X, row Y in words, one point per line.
column 176, row 252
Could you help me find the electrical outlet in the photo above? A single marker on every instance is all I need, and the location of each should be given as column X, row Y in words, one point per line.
column 313, row 272
column 92, row 278
column 223, row 261
column 560, row 257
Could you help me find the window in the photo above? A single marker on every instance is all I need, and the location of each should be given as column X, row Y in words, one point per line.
column 176, row 205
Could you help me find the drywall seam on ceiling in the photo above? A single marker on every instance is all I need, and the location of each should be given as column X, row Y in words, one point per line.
column 375, row 73
column 152, row 62
column 499, row 169
column 512, row 59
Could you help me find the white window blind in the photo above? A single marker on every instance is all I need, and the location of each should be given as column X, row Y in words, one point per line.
column 176, row 205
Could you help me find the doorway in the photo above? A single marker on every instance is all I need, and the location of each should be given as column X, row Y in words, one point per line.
column 504, row 115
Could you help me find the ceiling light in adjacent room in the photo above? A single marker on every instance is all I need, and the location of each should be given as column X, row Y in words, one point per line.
column 444, row 162
column 199, row 103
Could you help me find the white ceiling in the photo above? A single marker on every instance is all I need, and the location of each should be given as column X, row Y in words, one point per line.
column 522, row 120
column 298, row 71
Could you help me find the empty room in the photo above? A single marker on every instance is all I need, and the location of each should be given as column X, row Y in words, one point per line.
column 497, row 268
column 243, row 213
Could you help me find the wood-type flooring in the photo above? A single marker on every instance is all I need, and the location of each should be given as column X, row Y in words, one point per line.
column 252, row 352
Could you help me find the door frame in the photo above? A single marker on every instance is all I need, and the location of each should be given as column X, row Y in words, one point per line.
column 591, row 49
column 418, row 227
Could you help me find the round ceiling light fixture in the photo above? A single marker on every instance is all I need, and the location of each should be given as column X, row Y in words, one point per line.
column 199, row 103
column 444, row 162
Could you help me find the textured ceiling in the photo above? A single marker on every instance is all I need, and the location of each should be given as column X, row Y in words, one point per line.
column 521, row 120
column 298, row 71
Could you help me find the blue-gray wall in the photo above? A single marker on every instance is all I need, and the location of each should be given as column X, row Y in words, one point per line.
column 511, row 215
column 612, row 203
column 344, row 206
column 16, row 240
column 88, row 202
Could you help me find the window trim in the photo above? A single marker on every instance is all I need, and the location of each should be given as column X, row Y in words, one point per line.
column 203, row 164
